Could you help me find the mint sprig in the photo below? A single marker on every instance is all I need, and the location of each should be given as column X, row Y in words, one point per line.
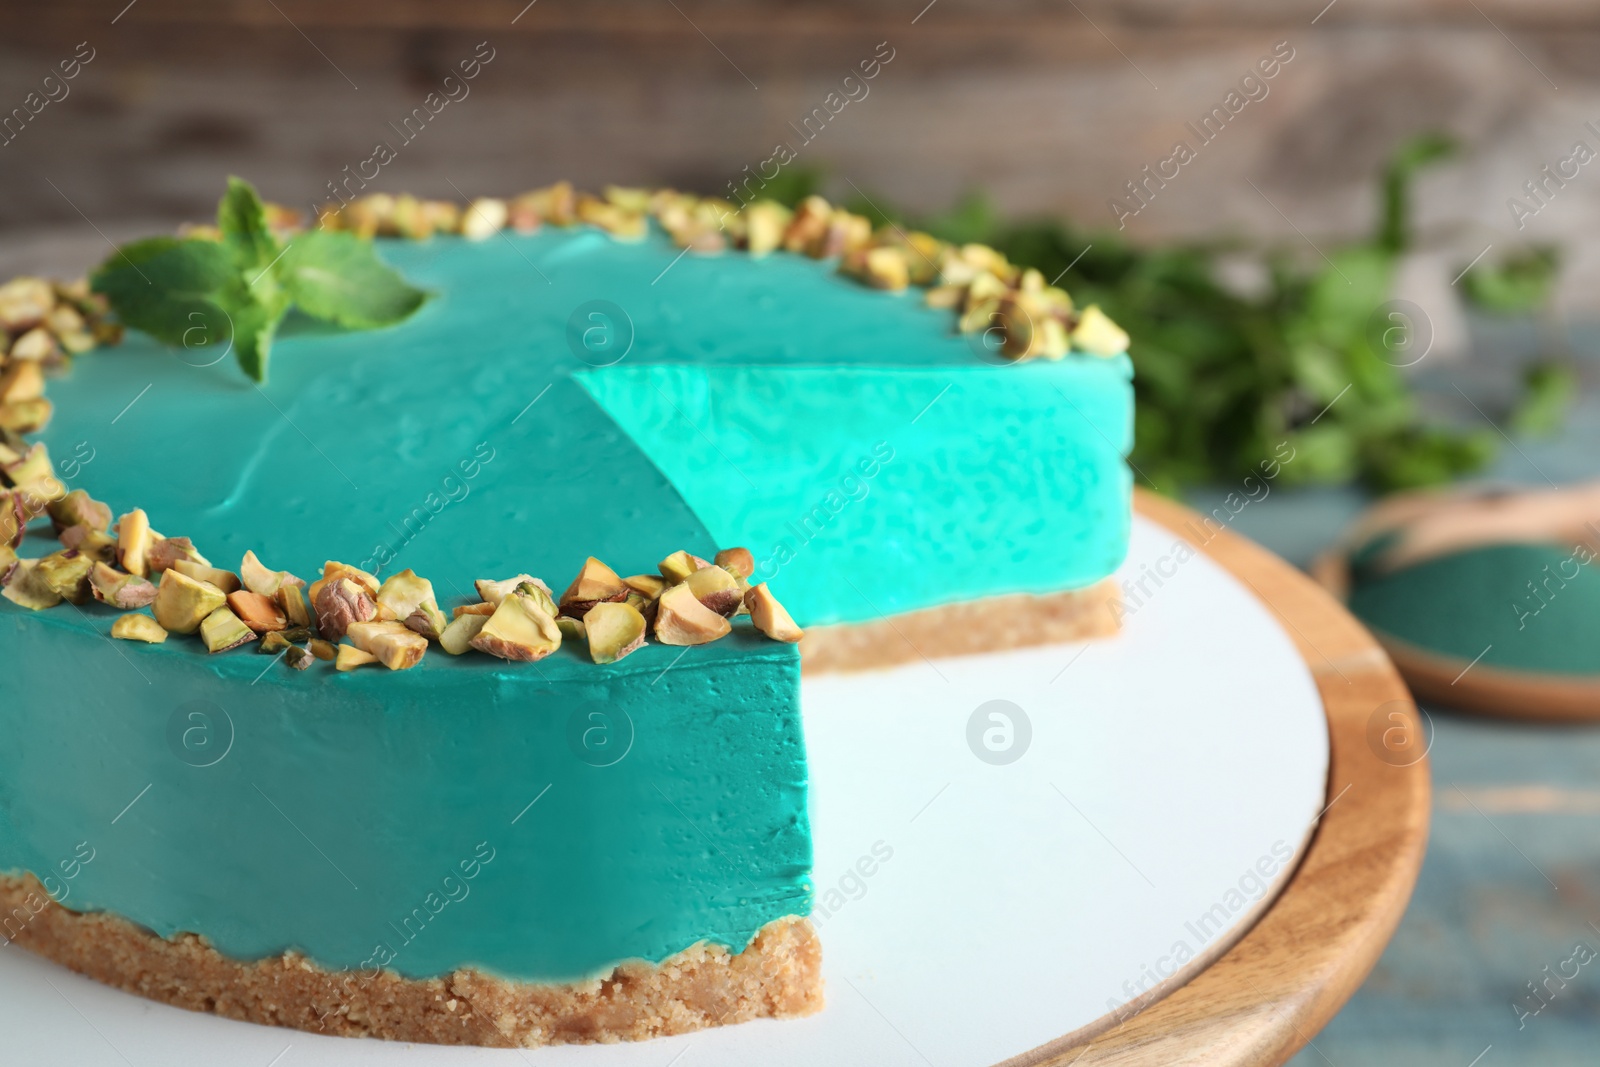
column 236, row 287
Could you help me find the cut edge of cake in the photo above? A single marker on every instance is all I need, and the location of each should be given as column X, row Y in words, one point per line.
column 990, row 624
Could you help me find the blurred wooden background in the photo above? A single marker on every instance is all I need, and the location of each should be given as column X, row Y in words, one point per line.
column 1049, row 106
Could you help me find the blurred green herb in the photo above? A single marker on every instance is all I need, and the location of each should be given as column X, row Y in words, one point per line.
column 1549, row 391
column 1394, row 233
column 1516, row 285
column 1314, row 361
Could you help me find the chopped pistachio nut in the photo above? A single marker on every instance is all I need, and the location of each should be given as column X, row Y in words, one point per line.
column 273, row 642
column 297, row 657
column 166, row 551
column 845, row 234
column 182, row 603
column 457, row 637
column 339, row 602
column 736, row 561
column 37, row 344
column 519, row 630
column 1097, row 334
column 25, row 302
column 923, row 254
column 766, row 221
column 138, row 628
column 614, row 631
column 541, row 597
column 13, row 518
column 401, row 593
column 682, row 620
column 409, row 219
column 595, row 583
column 483, row 218
column 693, row 225
column 292, row 599
column 101, row 547
column 323, row 650
column 8, row 560
column 883, row 267
column 571, row 629
column 259, row 579
column 522, row 215
column 1030, row 329
column 716, row 589
column 21, row 380
column 493, row 592
column 556, row 204
column 394, row 645
column 769, row 616
column 78, row 508
column 678, row 566
column 260, row 613
column 648, row 586
column 110, row 586
column 427, row 620
column 25, row 416
column 410, row 599
column 222, row 630
column 984, row 288
column 808, row 228
column 485, row 609
column 622, row 223
column 25, row 588
column 369, row 582
column 67, row 324
column 442, row 216
column 133, row 542
column 66, row 574
column 350, row 657
column 628, row 199
column 32, row 474
column 226, row 581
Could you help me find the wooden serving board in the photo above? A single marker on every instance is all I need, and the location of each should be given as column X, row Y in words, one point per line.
column 1268, row 995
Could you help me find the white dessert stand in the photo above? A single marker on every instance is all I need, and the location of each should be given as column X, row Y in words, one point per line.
column 1069, row 854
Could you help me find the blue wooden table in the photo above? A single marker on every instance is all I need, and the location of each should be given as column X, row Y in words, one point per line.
column 1497, row 962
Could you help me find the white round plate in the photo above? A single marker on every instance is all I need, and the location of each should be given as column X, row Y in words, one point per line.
column 991, row 877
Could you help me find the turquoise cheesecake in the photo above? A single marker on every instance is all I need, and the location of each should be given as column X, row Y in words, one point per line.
column 500, row 813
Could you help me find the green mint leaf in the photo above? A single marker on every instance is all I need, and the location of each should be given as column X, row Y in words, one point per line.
column 190, row 293
column 254, row 324
column 339, row 278
column 195, row 292
column 243, row 221
column 171, row 289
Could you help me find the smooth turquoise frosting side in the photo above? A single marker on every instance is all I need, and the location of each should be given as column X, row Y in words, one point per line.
column 1524, row 607
column 340, row 815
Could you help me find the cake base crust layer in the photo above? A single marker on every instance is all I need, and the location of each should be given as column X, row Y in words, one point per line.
column 988, row 625
column 779, row 975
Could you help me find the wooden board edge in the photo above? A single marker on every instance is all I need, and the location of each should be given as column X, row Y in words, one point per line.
column 1291, row 972
column 1495, row 692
